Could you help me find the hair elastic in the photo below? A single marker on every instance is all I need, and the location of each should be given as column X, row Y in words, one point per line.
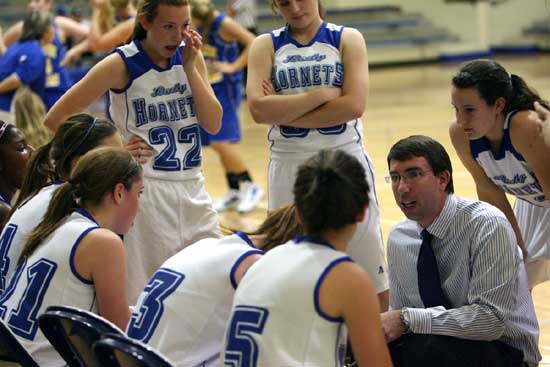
column 3, row 128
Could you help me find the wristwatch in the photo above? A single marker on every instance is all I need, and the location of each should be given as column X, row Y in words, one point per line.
column 405, row 319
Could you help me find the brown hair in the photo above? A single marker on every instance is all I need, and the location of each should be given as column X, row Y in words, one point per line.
column 53, row 161
column 492, row 82
column 330, row 191
column 279, row 227
column 86, row 188
column 35, row 25
column 149, row 8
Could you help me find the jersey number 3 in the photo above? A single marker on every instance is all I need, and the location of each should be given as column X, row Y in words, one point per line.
column 241, row 349
column 145, row 320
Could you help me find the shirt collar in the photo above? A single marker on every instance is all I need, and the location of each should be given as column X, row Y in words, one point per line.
column 440, row 226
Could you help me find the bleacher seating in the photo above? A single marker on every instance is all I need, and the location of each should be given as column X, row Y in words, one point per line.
column 539, row 31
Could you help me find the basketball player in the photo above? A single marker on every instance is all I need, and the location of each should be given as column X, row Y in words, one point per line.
column 49, row 166
column 295, row 305
column 58, row 80
column 159, row 91
column 24, row 62
column 75, row 256
column 185, row 307
column 14, row 155
column 222, row 37
column 308, row 81
column 498, row 138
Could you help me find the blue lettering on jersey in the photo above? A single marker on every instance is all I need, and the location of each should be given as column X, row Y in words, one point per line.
column 307, row 76
column 163, row 91
column 23, row 321
column 241, row 348
column 144, row 320
column 530, row 189
column 5, row 244
column 165, row 111
column 517, row 179
column 299, row 58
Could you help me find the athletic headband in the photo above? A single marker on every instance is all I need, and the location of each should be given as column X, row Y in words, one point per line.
column 3, row 128
column 151, row 4
column 90, row 128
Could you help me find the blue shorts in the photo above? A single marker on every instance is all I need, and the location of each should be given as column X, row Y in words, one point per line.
column 230, row 96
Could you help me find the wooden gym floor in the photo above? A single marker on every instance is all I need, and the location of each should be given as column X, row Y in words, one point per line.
column 402, row 101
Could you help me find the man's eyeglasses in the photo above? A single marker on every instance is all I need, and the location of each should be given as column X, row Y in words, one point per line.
column 408, row 176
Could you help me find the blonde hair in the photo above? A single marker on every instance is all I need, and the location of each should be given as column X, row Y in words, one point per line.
column 107, row 16
column 118, row 4
column 204, row 11
column 29, row 114
column 273, row 5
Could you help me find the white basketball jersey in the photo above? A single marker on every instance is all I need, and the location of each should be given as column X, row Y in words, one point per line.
column 299, row 68
column 185, row 306
column 17, row 229
column 48, row 277
column 157, row 105
column 508, row 169
column 276, row 319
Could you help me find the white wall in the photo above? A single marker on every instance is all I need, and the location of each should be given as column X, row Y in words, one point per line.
column 501, row 22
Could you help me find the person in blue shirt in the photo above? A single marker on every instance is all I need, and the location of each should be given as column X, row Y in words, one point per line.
column 221, row 39
column 58, row 80
column 24, row 63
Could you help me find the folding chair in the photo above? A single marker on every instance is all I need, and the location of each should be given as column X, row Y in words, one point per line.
column 120, row 351
column 12, row 353
column 72, row 332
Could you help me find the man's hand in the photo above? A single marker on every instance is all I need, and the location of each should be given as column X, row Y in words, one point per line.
column 392, row 325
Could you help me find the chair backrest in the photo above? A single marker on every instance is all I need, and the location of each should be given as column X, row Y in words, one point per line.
column 11, row 351
column 120, row 351
column 72, row 332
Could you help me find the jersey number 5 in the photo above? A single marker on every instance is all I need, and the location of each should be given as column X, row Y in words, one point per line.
column 241, row 349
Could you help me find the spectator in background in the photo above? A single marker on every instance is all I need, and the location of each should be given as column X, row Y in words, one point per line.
column 29, row 113
column 24, row 62
column 58, row 80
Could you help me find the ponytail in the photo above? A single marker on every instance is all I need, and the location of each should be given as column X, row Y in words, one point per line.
column 62, row 204
column 204, row 11
column 38, row 173
column 279, row 227
column 330, row 191
column 523, row 96
column 492, row 82
column 53, row 161
column 87, row 188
